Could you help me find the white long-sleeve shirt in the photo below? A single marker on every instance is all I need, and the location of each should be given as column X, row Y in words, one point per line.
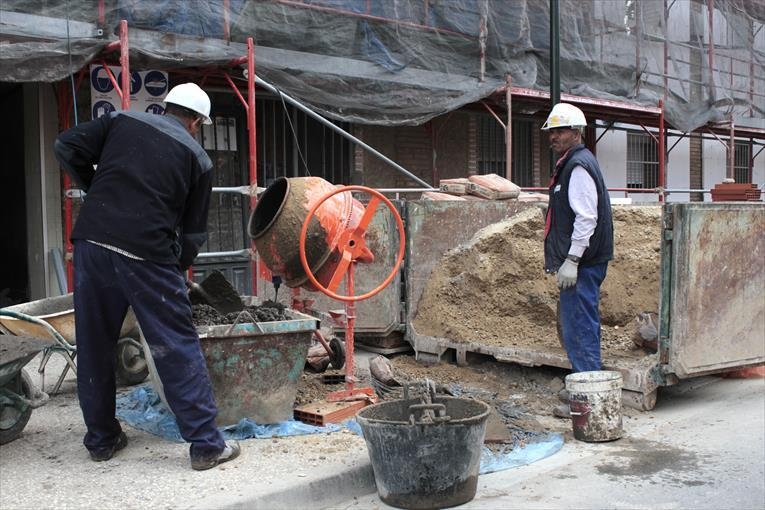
column 583, row 198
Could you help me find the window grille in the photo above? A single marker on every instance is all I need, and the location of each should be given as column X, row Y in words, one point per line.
column 642, row 161
column 742, row 160
column 491, row 149
column 292, row 144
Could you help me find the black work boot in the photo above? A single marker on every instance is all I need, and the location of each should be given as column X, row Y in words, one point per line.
column 230, row 452
column 103, row 454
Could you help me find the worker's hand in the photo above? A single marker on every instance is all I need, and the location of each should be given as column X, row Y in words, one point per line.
column 567, row 274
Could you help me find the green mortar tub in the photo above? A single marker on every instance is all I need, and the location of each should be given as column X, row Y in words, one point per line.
column 254, row 367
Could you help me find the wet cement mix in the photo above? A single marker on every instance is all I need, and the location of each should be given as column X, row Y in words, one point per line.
column 494, row 290
column 268, row 311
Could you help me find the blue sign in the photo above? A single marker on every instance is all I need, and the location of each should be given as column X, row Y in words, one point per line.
column 102, row 108
column 135, row 82
column 155, row 83
column 155, row 109
column 100, row 80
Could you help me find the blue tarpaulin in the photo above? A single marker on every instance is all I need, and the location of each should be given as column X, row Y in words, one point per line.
column 536, row 447
column 142, row 408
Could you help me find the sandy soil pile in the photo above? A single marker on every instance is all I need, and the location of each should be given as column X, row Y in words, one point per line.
column 494, row 290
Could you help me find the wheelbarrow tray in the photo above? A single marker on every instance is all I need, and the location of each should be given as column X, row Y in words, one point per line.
column 57, row 311
column 254, row 367
column 15, row 353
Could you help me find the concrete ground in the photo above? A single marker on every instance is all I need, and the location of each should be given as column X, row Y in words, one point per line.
column 701, row 448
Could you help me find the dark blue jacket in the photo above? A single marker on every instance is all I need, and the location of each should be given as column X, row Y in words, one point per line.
column 558, row 240
column 151, row 192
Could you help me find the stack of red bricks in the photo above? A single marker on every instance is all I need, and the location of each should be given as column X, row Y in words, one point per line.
column 734, row 191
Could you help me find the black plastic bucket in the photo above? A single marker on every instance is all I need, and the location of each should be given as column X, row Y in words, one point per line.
column 422, row 464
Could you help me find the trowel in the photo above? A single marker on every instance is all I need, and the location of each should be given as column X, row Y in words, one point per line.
column 217, row 292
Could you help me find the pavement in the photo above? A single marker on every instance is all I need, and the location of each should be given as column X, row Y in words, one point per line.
column 702, row 447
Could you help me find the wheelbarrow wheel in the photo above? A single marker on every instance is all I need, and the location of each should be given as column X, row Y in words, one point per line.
column 12, row 418
column 131, row 367
column 337, row 358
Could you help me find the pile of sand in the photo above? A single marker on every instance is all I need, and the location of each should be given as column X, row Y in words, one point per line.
column 494, row 290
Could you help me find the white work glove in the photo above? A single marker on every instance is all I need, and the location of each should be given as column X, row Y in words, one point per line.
column 567, row 274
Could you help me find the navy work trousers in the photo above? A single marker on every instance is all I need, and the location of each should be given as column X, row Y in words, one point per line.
column 105, row 284
column 580, row 318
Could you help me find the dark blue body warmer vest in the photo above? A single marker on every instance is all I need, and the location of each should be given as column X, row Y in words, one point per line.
column 558, row 241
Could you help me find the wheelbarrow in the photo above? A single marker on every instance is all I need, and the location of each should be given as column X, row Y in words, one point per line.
column 18, row 395
column 54, row 318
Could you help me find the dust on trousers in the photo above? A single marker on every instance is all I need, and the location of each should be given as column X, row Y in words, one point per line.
column 106, row 283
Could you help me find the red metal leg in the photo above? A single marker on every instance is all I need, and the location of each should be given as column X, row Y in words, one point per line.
column 351, row 393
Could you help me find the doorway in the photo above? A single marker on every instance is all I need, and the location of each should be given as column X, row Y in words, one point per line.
column 14, row 270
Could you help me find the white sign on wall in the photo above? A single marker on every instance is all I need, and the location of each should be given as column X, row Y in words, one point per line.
column 147, row 90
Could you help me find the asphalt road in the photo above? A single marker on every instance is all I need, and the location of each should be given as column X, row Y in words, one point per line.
column 702, row 447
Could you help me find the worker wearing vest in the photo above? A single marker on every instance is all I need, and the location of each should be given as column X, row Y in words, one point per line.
column 139, row 229
column 578, row 238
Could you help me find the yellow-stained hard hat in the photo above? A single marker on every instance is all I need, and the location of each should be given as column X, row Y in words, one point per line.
column 565, row 115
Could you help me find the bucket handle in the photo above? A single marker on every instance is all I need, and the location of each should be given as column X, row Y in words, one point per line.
column 428, row 416
column 585, row 409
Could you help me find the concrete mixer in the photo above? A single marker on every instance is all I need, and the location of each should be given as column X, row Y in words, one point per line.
column 312, row 234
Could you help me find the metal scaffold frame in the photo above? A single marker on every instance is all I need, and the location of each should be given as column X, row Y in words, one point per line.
column 66, row 103
column 645, row 116
column 613, row 111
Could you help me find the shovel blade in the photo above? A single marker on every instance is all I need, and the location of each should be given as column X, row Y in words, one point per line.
column 220, row 294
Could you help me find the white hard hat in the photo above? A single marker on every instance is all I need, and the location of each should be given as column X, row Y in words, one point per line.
column 565, row 115
column 190, row 96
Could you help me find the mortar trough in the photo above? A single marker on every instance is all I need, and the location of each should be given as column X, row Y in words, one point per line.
column 254, row 367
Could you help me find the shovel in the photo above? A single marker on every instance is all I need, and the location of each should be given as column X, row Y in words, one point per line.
column 217, row 292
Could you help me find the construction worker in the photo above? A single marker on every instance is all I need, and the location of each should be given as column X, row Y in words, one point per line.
column 578, row 239
column 139, row 229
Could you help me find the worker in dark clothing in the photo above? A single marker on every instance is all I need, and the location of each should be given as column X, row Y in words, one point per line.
column 140, row 227
column 578, row 239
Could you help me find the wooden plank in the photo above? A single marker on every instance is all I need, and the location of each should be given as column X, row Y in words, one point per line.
column 497, row 431
column 637, row 372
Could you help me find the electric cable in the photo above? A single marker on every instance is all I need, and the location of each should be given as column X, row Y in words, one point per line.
column 294, row 134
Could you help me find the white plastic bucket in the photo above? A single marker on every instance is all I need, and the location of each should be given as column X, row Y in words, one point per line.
column 596, row 405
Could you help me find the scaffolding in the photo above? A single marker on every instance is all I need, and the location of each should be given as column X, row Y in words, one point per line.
column 66, row 105
column 679, row 68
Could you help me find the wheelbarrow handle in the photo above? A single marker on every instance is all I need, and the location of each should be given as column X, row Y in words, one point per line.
column 50, row 329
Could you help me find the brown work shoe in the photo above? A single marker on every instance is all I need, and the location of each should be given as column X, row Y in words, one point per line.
column 230, row 452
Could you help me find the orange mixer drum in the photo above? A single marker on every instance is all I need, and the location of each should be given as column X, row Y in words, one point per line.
column 278, row 217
